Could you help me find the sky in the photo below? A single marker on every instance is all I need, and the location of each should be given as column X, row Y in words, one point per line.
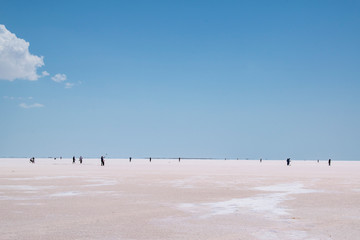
column 219, row 79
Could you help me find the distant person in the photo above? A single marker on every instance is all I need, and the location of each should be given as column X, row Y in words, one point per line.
column 60, row 158
column 288, row 161
column 102, row 161
column 150, row 159
column 179, row 159
column 329, row 161
column 80, row 159
column 260, row 159
column 129, row 159
column 73, row 159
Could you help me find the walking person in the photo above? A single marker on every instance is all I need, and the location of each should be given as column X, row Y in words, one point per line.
column 329, row 161
column 102, row 161
column 73, row 159
column 80, row 159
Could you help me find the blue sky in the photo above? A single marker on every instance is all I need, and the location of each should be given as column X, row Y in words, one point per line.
column 235, row 79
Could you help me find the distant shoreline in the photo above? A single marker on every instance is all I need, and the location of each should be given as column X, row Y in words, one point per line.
column 185, row 158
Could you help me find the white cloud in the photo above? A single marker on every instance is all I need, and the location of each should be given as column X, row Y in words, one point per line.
column 8, row 98
column 69, row 85
column 59, row 77
column 17, row 98
column 16, row 62
column 45, row 73
column 34, row 105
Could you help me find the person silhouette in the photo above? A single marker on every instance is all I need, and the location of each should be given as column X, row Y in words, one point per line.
column 80, row 159
column 129, row 159
column 288, row 161
column 73, row 159
column 329, row 161
column 102, row 161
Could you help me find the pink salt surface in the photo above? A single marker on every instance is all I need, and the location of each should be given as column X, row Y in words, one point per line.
column 165, row 199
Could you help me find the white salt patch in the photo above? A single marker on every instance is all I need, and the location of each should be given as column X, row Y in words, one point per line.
column 181, row 184
column 65, row 194
column 274, row 234
column 55, row 177
column 190, row 207
column 17, row 179
column 101, row 182
column 29, row 204
column 268, row 235
column 289, row 188
column 296, row 234
column 117, row 195
column 111, row 193
column 187, row 182
column 8, row 198
column 263, row 203
column 40, row 178
column 24, row 187
column 30, row 192
column 187, row 205
column 103, row 192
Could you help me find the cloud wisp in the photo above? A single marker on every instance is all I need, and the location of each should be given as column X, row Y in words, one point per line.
column 69, row 85
column 25, row 102
column 59, row 78
column 17, row 98
column 34, row 105
column 16, row 62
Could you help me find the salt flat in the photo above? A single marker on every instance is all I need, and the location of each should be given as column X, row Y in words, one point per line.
column 167, row 199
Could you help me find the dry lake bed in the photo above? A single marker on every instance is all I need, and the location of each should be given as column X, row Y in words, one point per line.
column 168, row 199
